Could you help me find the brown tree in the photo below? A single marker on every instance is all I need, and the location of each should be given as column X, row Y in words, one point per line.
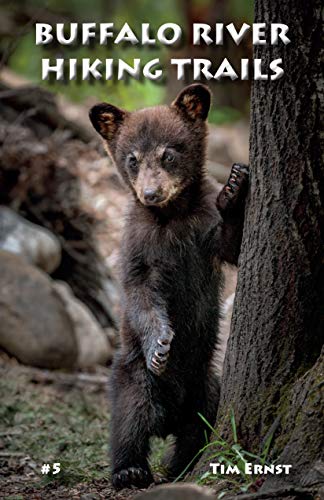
column 273, row 366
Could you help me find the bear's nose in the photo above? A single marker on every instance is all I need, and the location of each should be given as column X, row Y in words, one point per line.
column 151, row 195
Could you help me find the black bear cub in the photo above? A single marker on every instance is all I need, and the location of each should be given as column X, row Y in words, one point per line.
column 178, row 231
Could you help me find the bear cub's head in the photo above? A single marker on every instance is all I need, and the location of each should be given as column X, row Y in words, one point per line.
column 159, row 151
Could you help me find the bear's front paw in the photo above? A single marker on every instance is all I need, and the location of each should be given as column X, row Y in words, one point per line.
column 234, row 192
column 159, row 357
column 133, row 476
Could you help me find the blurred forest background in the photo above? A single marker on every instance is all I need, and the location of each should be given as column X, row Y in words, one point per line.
column 19, row 52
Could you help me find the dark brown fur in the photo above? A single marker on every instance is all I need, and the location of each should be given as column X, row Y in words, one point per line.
column 178, row 232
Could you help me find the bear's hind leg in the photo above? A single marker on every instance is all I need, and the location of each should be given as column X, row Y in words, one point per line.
column 191, row 437
column 131, row 428
column 184, row 451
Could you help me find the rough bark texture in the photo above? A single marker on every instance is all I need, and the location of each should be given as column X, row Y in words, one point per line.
column 272, row 367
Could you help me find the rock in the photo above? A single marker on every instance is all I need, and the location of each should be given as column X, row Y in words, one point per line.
column 93, row 344
column 35, row 326
column 177, row 492
column 34, row 243
column 113, row 337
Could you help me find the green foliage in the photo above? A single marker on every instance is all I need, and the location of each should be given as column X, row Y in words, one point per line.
column 229, row 453
column 26, row 56
column 224, row 114
column 243, row 9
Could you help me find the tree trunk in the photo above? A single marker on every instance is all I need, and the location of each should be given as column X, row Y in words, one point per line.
column 273, row 366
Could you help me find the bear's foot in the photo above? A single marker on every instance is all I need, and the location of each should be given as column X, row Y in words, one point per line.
column 133, row 476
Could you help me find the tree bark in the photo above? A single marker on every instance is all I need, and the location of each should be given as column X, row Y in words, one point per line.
column 273, row 369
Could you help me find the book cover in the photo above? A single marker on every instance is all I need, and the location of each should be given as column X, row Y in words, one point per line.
column 161, row 250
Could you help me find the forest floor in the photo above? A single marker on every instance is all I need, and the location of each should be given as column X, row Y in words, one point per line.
column 56, row 417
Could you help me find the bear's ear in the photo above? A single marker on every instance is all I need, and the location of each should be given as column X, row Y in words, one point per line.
column 107, row 119
column 193, row 102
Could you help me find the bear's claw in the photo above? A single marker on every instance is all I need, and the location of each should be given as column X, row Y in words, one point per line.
column 235, row 190
column 133, row 476
column 158, row 360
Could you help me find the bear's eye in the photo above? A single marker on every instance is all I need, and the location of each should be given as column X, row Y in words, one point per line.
column 168, row 157
column 132, row 162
